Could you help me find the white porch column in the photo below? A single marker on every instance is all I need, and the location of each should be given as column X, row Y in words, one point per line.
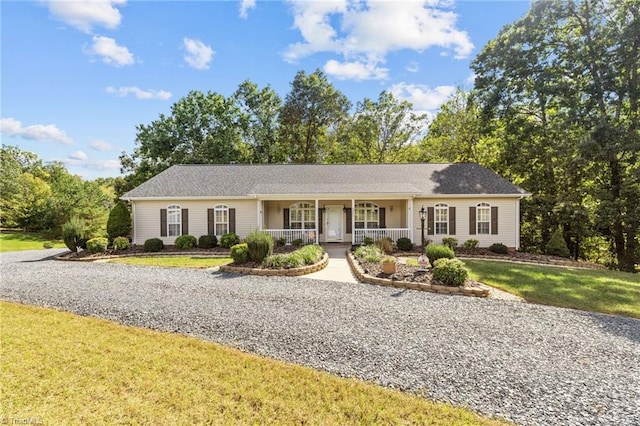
column 353, row 221
column 259, row 207
column 410, row 217
column 315, row 215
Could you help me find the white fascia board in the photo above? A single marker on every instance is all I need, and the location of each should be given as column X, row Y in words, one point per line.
column 229, row 197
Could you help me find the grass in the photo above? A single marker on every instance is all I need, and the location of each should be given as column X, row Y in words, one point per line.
column 61, row 368
column 175, row 261
column 18, row 241
column 609, row 292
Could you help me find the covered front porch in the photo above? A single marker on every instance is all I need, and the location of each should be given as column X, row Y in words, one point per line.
column 315, row 221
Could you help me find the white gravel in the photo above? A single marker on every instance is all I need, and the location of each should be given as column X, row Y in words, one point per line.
column 532, row 364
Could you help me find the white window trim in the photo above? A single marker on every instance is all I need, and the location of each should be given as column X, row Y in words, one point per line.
column 441, row 207
column 174, row 212
column 483, row 206
column 225, row 211
column 366, row 207
column 307, row 213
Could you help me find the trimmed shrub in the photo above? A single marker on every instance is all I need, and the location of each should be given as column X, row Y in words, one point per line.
column 438, row 251
column 260, row 245
column 207, row 241
column 97, row 245
column 557, row 246
column 385, row 245
column 73, row 233
column 297, row 242
column 121, row 243
column 186, row 242
column 499, row 248
column 450, row 242
column 404, row 244
column 449, row 272
column 153, row 245
column 240, row 253
column 281, row 241
column 471, row 243
column 368, row 253
column 367, row 241
column 119, row 222
column 311, row 254
column 228, row 240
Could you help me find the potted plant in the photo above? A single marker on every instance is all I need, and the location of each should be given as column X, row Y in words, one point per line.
column 388, row 265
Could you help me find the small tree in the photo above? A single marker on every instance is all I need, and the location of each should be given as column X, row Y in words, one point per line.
column 73, row 233
column 557, row 246
column 119, row 223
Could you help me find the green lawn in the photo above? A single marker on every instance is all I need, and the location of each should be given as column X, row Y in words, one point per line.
column 175, row 261
column 60, row 368
column 19, row 241
column 610, row 292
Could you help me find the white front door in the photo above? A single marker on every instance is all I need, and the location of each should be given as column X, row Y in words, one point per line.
column 334, row 223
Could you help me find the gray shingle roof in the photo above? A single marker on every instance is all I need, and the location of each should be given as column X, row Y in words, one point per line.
column 419, row 179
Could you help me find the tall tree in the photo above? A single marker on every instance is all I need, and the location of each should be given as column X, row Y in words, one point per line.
column 382, row 131
column 259, row 120
column 564, row 83
column 311, row 109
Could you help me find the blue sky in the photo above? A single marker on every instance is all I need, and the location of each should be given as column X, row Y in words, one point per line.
column 77, row 77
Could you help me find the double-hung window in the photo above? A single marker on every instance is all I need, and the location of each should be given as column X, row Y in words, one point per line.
column 302, row 216
column 221, row 220
column 174, row 221
column 483, row 218
column 367, row 216
column 441, row 219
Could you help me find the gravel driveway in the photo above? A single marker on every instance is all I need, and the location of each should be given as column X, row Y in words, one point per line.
column 535, row 365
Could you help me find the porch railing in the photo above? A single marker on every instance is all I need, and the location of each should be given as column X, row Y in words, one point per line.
column 308, row 236
column 376, row 234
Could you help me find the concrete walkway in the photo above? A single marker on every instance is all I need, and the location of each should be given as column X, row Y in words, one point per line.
column 338, row 268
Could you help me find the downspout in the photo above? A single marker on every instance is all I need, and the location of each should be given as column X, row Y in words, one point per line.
column 517, row 242
column 133, row 213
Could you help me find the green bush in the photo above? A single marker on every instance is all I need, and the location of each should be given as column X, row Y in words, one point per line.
column 367, row 241
column 97, row 245
column 186, row 242
column 119, row 222
column 297, row 242
column 368, row 253
column 450, row 242
column 240, row 253
column 275, row 261
column 438, row 251
column 73, row 233
column 307, row 255
column 385, row 245
column 311, row 254
column 471, row 243
column 260, row 245
column 281, row 241
column 153, row 245
column 207, row 241
column 404, row 244
column 449, row 272
column 228, row 240
column 121, row 243
column 557, row 246
column 499, row 248
column 47, row 244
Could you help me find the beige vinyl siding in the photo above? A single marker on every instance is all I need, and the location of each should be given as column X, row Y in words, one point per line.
column 508, row 222
column 147, row 217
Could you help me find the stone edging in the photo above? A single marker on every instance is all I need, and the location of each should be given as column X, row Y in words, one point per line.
column 292, row 272
column 365, row 278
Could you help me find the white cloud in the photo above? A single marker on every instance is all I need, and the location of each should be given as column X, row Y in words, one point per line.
column 91, row 164
column 139, row 93
column 413, row 66
column 78, row 155
column 355, row 70
column 422, row 96
column 37, row 132
column 85, row 14
column 245, row 5
column 110, row 51
column 366, row 31
column 102, row 146
column 198, row 54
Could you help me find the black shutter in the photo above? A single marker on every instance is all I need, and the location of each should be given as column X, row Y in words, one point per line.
column 163, row 222
column 382, row 215
column 472, row 221
column 430, row 220
column 185, row 221
column 349, row 224
column 210, row 222
column 232, row 220
column 494, row 221
column 319, row 221
column 285, row 218
column 452, row 221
